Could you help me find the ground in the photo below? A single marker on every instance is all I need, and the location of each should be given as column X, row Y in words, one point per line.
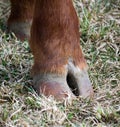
column 20, row 106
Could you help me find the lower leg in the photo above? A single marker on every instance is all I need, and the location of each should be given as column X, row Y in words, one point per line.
column 55, row 40
column 20, row 18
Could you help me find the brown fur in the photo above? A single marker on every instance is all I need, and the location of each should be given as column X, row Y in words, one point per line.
column 55, row 36
column 21, row 10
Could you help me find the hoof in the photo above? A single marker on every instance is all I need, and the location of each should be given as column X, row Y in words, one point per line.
column 76, row 82
column 53, row 85
column 79, row 81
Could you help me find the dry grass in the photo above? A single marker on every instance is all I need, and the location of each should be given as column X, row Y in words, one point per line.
column 100, row 38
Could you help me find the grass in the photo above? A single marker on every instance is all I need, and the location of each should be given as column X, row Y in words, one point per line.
column 20, row 106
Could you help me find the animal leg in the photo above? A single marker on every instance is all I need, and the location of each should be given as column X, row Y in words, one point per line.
column 20, row 18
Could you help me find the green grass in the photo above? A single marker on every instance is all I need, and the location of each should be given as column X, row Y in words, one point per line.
column 20, row 106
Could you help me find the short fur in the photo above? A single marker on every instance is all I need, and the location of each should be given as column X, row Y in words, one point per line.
column 55, row 36
column 20, row 18
column 21, row 10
